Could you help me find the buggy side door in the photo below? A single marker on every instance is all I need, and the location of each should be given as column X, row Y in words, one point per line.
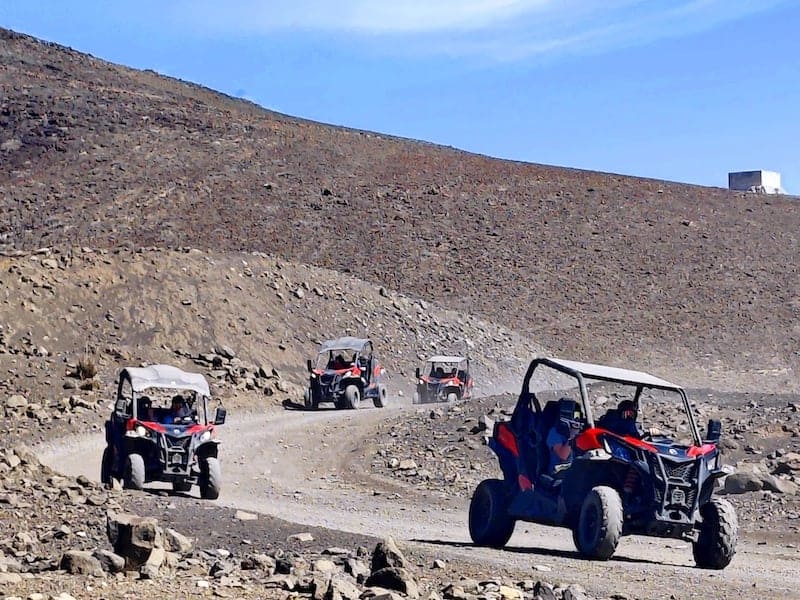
column 367, row 363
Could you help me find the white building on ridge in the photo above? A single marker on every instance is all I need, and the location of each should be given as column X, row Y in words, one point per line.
column 765, row 182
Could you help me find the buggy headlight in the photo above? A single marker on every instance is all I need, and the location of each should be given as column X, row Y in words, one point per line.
column 206, row 435
column 618, row 450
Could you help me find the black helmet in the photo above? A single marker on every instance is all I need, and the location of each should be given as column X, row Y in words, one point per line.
column 569, row 408
column 626, row 410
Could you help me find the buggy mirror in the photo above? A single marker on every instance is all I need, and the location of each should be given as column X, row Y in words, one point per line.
column 714, row 431
column 219, row 415
column 416, row 372
column 309, row 366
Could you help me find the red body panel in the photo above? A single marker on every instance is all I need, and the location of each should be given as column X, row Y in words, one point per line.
column 162, row 427
column 700, row 450
column 506, row 439
column 590, row 440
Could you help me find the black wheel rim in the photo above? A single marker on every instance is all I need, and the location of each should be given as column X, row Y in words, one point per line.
column 590, row 524
column 483, row 507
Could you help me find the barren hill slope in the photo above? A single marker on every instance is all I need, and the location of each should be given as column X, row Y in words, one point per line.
column 595, row 265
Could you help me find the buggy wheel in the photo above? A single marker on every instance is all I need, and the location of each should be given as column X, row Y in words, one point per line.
column 415, row 398
column 452, row 397
column 352, row 396
column 489, row 522
column 308, row 400
column 210, row 478
column 134, row 472
column 599, row 526
column 106, row 478
column 719, row 531
column 181, row 485
column 380, row 400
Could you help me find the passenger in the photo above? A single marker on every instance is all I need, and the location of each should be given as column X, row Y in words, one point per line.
column 338, row 363
column 561, row 434
column 144, row 409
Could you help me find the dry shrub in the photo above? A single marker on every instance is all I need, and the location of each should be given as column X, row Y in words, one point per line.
column 86, row 368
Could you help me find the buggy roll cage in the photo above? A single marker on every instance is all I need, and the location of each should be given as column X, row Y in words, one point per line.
column 583, row 371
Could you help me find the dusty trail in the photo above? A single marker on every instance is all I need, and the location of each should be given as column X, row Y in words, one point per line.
column 303, row 467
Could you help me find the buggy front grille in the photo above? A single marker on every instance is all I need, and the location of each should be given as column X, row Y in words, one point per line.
column 681, row 471
column 178, row 443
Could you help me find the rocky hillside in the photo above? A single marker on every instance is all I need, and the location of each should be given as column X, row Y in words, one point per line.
column 594, row 265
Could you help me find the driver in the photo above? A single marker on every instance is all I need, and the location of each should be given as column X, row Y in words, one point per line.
column 621, row 420
column 178, row 411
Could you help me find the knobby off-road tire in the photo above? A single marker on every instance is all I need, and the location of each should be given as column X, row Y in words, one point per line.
column 106, row 478
column 210, row 478
column 489, row 522
column 451, row 397
column 719, row 532
column 600, row 523
column 352, row 396
column 181, row 486
column 134, row 472
column 380, row 400
column 415, row 398
column 308, row 400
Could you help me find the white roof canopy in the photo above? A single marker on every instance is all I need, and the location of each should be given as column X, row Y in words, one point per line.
column 615, row 374
column 167, row 377
column 441, row 358
column 343, row 343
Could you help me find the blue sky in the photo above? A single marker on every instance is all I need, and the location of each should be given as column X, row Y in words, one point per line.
column 684, row 90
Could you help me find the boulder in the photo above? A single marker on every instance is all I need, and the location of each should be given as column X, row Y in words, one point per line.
column 740, row 483
column 133, row 537
column 110, row 562
column 342, row 588
column 258, row 562
column 387, row 554
column 777, row 484
column 152, row 566
column 394, row 578
column 177, row 542
column 788, row 464
column 544, row 591
column 80, row 562
column 358, row 569
column 323, row 565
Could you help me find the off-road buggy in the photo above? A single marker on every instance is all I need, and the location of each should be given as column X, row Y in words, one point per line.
column 160, row 430
column 618, row 482
column 444, row 379
column 346, row 371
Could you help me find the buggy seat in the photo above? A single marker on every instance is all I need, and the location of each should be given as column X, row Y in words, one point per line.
column 530, row 429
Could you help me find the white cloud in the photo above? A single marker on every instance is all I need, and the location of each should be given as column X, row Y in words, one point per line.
column 493, row 29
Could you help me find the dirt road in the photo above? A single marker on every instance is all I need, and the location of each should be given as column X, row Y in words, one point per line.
column 304, row 467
